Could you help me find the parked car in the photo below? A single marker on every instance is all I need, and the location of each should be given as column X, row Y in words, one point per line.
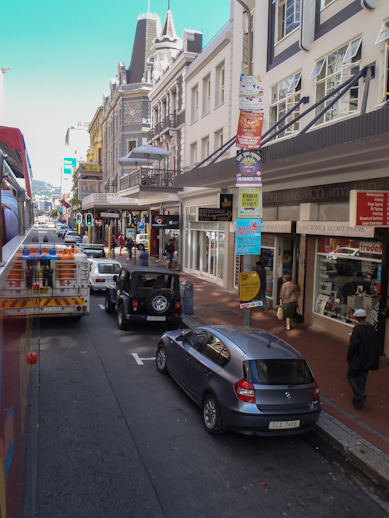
column 142, row 241
column 72, row 237
column 60, row 228
column 101, row 273
column 92, row 251
column 244, row 379
column 145, row 294
column 62, row 231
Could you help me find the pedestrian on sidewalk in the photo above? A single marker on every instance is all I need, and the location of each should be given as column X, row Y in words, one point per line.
column 262, row 279
column 169, row 250
column 121, row 243
column 113, row 242
column 363, row 355
column 143, row 258
column 129, row 245
column 85, row 239
column 288, row 299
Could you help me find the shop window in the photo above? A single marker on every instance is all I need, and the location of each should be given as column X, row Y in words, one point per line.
column 284, row 96
column 287, row 17
column 333, row 70
column 348, row 274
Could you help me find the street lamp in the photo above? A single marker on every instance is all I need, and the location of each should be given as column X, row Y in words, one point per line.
column 250, row 35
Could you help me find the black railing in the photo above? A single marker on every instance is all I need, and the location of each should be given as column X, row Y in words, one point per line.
column 150, row 134
column 170, row 121
column 148, row 176
column 158, row 128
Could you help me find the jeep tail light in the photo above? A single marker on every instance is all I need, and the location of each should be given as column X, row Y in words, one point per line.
column 245, row 391
column 134, row 303
column 316, row 393
column 177, row 305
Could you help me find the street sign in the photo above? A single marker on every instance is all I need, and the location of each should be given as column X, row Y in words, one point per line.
column 109, row 215
column 99, row 222
column 369, row 209
column 130, row 232
column 205, row 214
column 162, row 221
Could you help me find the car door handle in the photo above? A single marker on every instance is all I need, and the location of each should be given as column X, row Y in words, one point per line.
column 207, row 372
column 188, row 357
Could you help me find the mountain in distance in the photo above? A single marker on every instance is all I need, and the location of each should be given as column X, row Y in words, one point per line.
column 45, row 190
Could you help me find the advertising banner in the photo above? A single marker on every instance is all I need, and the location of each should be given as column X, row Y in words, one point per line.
column 249, row 284
column 162, row 221
column 250, row 93
column 248, row 169
column 369, row 209
column 248, row 236
column 249, row 130
column 250, row 202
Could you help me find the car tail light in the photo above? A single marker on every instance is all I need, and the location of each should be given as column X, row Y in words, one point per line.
column 177, row 305
column 134, row 303
column 100, row 280
column 316, row 392
column 245, row 391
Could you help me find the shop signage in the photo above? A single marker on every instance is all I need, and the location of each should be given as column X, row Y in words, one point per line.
column 333, row 228
column 249, row 285
column 91, row 167
column 369, row 247
column 369, row 209
column 162, row 221
column 99, row 222
column 250, row 202
column 276, row 227
column 112, row 215
column 222, row 213
column 248, row 169
column 248, row 236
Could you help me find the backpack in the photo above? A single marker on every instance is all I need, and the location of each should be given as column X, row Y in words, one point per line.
column 168, row 248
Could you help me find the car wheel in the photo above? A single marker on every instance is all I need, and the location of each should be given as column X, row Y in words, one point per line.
column 109, row 305
column 122, row 323
column 211, row 416
column 140, row 246
column 158, row 302
column 161, row 360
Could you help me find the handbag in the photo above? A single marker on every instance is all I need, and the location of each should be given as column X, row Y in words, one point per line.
column 298, row 317
column 280, row 313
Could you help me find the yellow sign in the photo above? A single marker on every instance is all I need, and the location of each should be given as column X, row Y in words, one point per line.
column 250, row 202
column 249, row 285
column 91, row 167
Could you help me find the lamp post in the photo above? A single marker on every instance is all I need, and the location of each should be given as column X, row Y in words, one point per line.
column 247, row 266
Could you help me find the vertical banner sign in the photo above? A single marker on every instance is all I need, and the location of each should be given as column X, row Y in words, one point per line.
column 250, row 203
column 248, row 169
column 251, row 112
column 248, row 236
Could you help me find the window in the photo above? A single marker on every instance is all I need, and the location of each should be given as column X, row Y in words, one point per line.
column 324, row 3
column 284, row 96
column 287, row 17
column 215, row 350
column 384, row 32
column 193, row 154
column 195, row 103
column 281, row 372
column 204, row 148
column 196, row 338
column 218, row 139
column 332, row 71
column 131, row 144
column 206, row 94
column 220, row 83
column 384, row 74
column 173, row 102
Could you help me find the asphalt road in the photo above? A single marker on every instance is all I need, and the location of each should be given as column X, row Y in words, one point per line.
column 118, row 439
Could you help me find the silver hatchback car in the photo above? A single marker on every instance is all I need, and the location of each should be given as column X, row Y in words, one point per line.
column 244, row 379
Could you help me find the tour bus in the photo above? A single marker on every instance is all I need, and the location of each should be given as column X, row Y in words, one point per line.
column 19, row 357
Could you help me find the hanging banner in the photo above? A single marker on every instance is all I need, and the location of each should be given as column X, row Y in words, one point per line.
column 249, row 130
column 248, row 169
column 250, row 93
column 250, row 203
column 248, row 236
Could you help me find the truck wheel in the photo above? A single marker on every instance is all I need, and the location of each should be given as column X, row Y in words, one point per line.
column 109, row 306
column 158, row 302
column 122, row 323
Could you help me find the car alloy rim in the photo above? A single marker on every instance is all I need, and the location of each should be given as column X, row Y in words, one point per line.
column 161, row 358
column 210, row 413
column 120, row 317
column 160, row 303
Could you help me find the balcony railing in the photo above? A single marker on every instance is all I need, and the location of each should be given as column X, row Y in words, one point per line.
column 170, row 121
column 148, row 176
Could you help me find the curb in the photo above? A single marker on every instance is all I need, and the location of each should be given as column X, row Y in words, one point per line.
column 370, row 460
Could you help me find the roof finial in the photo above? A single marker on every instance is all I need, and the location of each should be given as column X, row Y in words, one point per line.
column 168, row 5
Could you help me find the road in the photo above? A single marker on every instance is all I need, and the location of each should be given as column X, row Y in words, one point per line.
column 118, row 439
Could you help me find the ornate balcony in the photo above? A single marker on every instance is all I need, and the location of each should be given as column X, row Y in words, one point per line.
column 170, row 121
column 148, row 176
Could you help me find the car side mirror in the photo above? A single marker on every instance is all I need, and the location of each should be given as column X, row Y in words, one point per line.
column 179, row 338
column 115, row 278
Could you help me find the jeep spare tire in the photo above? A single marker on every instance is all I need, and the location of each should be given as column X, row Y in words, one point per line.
column 158, row 302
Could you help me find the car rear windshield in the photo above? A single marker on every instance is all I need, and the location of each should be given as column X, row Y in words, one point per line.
column 278, row 372
column 109, row 268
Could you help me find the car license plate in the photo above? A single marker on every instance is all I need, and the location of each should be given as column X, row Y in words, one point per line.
column 160, row 319
column 53, row 309
column 282, row 425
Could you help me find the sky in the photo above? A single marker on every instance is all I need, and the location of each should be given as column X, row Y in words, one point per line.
column 62, row 56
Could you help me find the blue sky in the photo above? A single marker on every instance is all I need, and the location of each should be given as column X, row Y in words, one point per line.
column 62, row 56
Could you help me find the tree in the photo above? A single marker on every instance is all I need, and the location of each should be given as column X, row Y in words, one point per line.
column 54, row 213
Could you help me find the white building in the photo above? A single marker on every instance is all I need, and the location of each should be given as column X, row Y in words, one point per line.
column 77, row 141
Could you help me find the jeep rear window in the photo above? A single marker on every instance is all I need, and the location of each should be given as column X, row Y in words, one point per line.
column 279, row 372
column 109, row 268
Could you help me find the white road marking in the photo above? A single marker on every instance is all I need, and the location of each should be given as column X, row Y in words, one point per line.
column 101, row 306
column 140, row 361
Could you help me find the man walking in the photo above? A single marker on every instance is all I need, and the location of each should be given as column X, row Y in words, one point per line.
column 129, row 245
column 169, row 249
column 121, row 243
column 262, row 278
column 363, row 355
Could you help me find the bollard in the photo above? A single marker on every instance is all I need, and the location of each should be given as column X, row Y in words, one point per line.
column 186, row 293
column 112, row 254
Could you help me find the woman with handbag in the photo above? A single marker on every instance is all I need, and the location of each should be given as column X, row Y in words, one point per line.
column 288, row 299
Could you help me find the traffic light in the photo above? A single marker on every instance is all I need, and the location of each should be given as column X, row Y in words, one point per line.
column 134, row 219
column 79, row 218
column 89, row 219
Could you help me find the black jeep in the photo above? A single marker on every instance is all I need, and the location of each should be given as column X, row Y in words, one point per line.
column 144, row 294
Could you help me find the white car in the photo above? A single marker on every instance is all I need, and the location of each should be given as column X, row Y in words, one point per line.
column 72, row 237
column 101, row 273
column 142, row 241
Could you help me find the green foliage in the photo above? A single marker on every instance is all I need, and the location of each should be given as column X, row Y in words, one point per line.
column 54, row 213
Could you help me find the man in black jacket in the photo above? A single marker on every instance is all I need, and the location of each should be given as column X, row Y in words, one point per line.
column 362, row 356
